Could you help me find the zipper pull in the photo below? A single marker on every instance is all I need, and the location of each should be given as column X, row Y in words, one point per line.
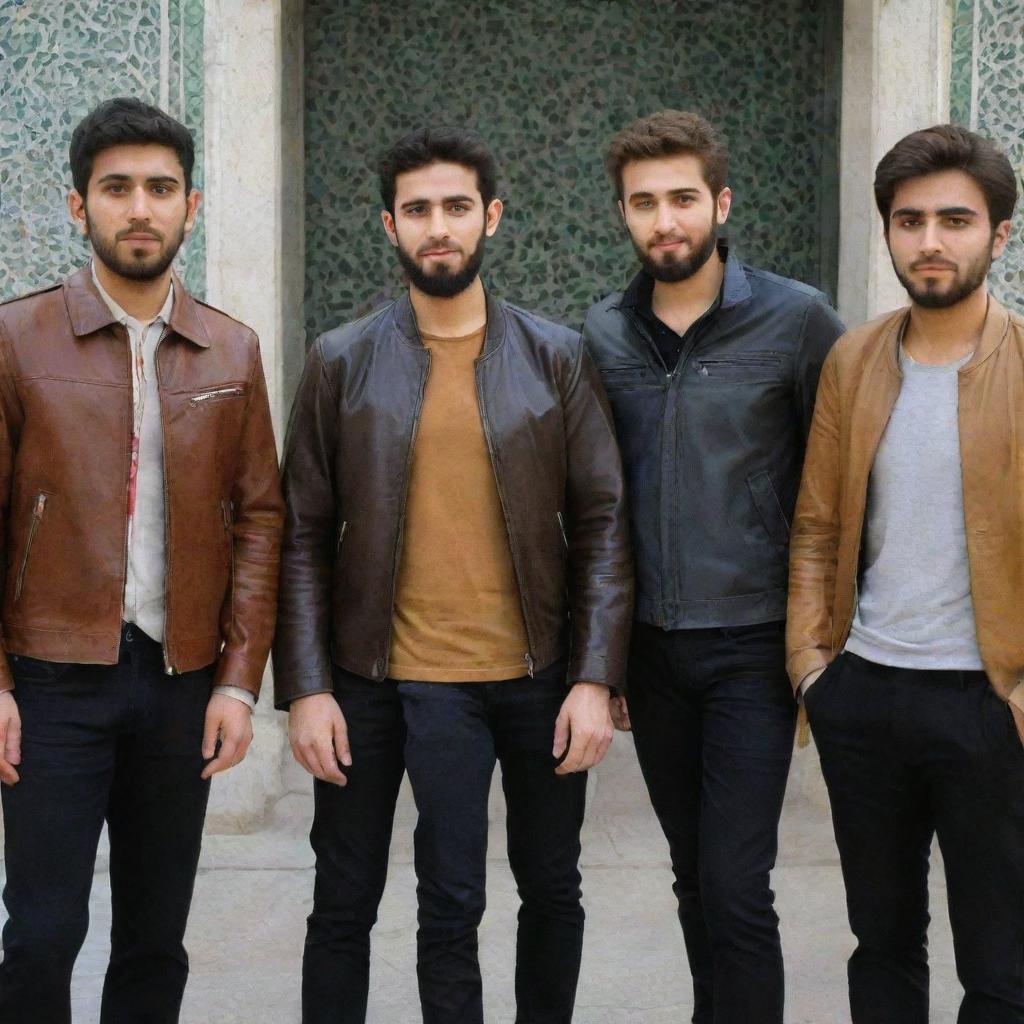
column 40, row 505
column 529, row 664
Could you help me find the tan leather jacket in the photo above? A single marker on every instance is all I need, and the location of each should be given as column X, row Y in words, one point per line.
column 859, row 386
column 65, row 451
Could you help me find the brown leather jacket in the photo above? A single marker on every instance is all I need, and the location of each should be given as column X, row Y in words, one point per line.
column 346, row 471
column 65, row 451
column 859, row 386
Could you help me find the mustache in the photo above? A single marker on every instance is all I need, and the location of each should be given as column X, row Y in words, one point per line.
column 932, row 262
column 148, row 232
column 663, row 239
column 432, row 244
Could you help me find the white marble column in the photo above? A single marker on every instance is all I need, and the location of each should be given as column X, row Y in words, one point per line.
column 896, row 69
column 252, row 205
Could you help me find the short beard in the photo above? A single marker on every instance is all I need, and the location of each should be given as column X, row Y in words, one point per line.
column 963, row 285
column 443, row 283
column 146, row 269
column 680, row 269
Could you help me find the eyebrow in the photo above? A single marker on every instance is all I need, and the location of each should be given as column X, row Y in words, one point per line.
column 945, row 211
column 156, row 179
column 671, row 192
column 447, row 199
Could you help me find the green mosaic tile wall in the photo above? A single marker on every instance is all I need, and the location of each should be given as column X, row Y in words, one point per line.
column 986, row 94
column 57, row 61
column 547, row 84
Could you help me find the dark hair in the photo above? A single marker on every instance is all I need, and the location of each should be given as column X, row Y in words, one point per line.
column 437, row 145
column 127, row 121
column 669, row 133
column 948, row 147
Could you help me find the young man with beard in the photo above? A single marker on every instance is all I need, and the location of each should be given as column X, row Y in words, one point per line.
column 142, row 514
column 456, row 590
column 711, row 368
column 907, row 592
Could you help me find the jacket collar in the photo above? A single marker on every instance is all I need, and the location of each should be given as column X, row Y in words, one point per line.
column 994, row 330
column 89, row 313
column 735, row 286
column 405, row 321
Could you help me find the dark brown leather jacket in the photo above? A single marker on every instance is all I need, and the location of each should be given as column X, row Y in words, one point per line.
column 346, row 474
column 859, row 386
column 65, row 452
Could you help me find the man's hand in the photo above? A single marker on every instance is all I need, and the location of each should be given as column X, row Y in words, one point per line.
column 10, row 738
column 620, row 714
column 1018, row 720
column 584, row 725
column 231, row 721
column 319, row 736
column 809, row 680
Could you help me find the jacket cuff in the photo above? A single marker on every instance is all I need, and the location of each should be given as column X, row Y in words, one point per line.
column 289, row 687
column 801, row 663
column 234, row 670
column 594, row 668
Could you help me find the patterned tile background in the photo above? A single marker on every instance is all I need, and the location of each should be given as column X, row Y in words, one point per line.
column 57, row 61
column 986, row 93
column 547, row 84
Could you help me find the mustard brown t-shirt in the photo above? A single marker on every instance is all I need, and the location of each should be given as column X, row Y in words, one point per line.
column 457, row 612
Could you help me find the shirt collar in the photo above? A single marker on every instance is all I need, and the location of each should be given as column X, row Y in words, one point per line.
column 163, row 317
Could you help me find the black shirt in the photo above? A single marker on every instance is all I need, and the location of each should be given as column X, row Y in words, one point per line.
column 640, row 295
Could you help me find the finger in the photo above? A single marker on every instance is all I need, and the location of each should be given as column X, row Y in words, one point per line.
column 572, row 760
column 329, row 770
column 223, row 760
column 604, row 741
column 211, row 728
column 7, row 773
column 561, row 735
column 12, row 746
column 300, row 755
column 624, row 704
column 342, row 749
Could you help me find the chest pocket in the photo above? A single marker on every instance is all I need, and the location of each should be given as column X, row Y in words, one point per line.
column 622, row 378
column 742, row 368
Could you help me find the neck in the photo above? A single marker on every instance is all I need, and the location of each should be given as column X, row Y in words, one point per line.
column 945, row 335
column 679, row 303
column 456, row 317
column 141, row 300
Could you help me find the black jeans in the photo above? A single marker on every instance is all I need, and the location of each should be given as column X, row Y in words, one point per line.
column 713, row 718
column 907, row 755
column 115, row 742
column 456, row 731
column 351, row 836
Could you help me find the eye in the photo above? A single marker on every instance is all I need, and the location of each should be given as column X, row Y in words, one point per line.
column 684, row 200
column 643, row 204
column 415, row 211
column 458, row 208
column 957, row 222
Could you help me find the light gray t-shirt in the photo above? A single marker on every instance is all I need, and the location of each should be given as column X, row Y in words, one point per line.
column 914, row 606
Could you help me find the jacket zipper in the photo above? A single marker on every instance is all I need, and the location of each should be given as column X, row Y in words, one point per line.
column 528, row 656
column 219, row 393
column 38, row 508
column 561, row 527
column 168, row 667
column 341, row 534
column 225, row 513
column 386, row 658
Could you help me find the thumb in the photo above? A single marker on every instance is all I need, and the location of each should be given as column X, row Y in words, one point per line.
column 561, row 734
column 210, row 730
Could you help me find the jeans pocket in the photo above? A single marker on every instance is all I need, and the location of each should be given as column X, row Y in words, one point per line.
column 35, row 670
column 814, row 691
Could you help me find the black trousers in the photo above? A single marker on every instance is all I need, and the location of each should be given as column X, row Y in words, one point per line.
column 456, row 733
column 351, row 836
column 713, row 718
column 120, row 743
column 907, row 755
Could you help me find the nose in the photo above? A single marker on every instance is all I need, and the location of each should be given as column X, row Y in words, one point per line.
column 931, row 241
column 139, row 207
column 663, row 223
column 438, row 225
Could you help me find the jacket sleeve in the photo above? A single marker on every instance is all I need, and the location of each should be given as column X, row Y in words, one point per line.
column 10, row 425
column 821, row 327
column 600, row 569
column 247, row 618
column 814, row 541
column 302, row 649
